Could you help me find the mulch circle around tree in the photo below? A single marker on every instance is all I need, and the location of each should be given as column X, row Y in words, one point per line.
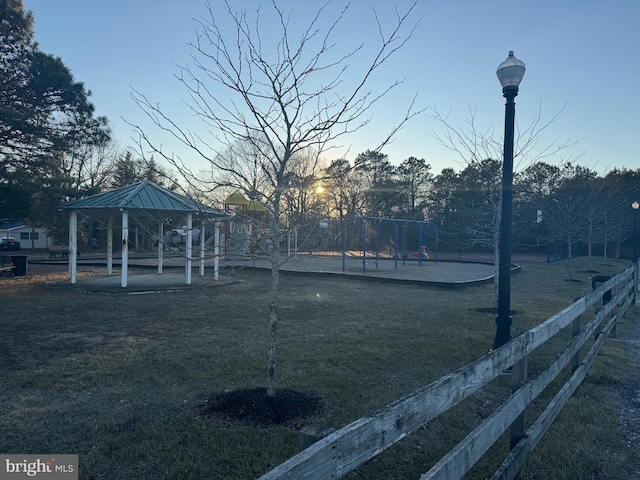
column 254, row 407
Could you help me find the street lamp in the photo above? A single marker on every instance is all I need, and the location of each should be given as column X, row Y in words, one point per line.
column 510, row 73
column 635, row 206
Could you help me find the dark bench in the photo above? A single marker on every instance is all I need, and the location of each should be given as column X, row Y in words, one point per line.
column 56, row 249
column 62, row 250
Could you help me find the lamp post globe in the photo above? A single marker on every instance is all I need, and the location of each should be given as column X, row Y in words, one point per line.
column 510, row 74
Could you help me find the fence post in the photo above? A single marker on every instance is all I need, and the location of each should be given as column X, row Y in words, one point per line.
column 635, row 282
column 310, row 434
column 575, row 331
column 614, row 294
column 602, row 301
column 596, row 332
column 519, row 375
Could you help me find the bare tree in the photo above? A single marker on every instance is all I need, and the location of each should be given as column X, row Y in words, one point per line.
column 568, row 218
column 345, row 188
column 260, row 86
column 473, row 146
column 301, row 197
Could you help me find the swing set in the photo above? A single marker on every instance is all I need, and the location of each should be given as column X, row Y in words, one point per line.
column 421, row 253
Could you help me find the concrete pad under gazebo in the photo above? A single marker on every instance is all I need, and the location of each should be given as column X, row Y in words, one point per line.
column 154, row 202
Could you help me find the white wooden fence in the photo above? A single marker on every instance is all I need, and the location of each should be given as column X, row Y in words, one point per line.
column 344, row 450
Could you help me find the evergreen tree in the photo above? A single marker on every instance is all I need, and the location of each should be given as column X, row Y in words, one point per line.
column 127, row 171
column 44, row 114
column 415, row 177
column 382, row 194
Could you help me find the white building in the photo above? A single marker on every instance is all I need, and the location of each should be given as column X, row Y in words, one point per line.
column 29, row 237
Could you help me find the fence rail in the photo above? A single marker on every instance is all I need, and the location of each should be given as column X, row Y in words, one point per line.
column 344, row 450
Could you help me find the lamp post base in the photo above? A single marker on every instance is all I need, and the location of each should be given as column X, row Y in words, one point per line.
column 503, row 331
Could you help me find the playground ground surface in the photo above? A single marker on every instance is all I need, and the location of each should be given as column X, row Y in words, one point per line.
column 450, row 271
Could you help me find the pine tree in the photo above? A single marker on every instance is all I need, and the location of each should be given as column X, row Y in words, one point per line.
column 44, row 113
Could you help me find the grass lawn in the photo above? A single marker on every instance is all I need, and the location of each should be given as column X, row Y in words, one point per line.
column 121, row 380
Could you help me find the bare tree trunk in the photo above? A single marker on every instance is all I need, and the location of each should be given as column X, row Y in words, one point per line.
column 273, row 319
column 570, row 254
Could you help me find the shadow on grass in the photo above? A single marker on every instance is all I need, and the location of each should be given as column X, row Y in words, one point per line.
column 492, row 310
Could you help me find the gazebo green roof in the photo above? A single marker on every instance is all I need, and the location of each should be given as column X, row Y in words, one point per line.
column 144, row 195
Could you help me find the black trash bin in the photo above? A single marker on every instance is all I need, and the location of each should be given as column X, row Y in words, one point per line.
column 20, row 262
column 596, row 281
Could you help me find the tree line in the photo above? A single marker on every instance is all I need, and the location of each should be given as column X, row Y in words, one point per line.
column 565, row 210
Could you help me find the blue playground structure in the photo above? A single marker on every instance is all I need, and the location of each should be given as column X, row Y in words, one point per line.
column 421, row 252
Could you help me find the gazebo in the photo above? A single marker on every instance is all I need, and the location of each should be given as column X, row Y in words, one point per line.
column 156, row 203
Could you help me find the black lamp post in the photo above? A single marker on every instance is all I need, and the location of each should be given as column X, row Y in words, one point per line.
column 510, row 73
column 635, row 206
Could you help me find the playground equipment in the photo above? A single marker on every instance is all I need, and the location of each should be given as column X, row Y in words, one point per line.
column 245, row 234
column 394, row 221
column 249, row 234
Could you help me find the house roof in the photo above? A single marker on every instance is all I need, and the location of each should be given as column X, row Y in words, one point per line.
column 144, row 196
column 9, row 225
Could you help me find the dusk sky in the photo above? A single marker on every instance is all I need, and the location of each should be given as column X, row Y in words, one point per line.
column 580, row 55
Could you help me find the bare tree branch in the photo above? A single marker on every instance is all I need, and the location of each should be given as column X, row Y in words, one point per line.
column 472, row 145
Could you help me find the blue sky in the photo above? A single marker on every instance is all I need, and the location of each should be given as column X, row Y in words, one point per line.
column 580, row 55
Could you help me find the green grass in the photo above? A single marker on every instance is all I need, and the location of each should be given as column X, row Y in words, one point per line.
column 120, row 379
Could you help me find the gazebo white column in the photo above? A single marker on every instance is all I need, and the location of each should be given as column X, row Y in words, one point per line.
column 202, row 235
column 160, row 245
column 216, row 249
column 125, row 248
column 73, row 246
column 189, row 248
column 110, row 245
